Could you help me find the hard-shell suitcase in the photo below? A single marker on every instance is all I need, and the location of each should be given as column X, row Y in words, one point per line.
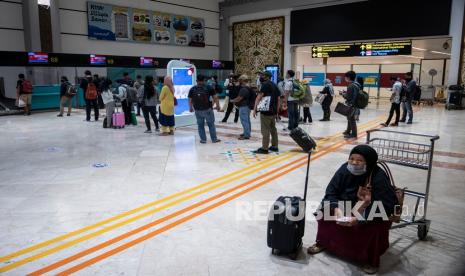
column 302, row 139
column 118, row 119
column 286, row 222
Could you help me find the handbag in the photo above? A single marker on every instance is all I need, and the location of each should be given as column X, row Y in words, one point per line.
column 400, row 192
column 320, row 98
column 344, row 109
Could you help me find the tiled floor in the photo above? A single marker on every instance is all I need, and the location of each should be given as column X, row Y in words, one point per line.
column 49, row 187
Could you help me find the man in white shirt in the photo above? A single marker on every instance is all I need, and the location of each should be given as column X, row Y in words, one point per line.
column 395, row 101
column 291, row 103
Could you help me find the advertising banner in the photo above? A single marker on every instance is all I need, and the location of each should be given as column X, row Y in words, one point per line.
column 315, row 79
column 99, row 21
column 120, row 23
column 107, row 22
column 141, row 25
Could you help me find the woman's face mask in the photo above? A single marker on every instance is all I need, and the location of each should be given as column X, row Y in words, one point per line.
column 357, row 164
column 357, row 169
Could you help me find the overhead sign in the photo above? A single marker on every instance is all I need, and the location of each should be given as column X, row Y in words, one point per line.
column 387, row 48
column 337, row 50
column 363, row 49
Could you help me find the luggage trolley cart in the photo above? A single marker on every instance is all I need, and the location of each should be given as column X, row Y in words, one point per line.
column 409, row 154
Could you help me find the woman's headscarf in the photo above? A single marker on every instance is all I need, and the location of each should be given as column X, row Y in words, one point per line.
column 330, row 86
column 169, row 82
column 370, row 155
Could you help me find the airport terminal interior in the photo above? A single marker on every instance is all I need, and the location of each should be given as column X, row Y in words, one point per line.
column 210, row 137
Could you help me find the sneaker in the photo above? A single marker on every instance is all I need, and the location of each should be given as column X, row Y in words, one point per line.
column 203, row 142
column 402, row 121
column 345, row 133
column 68, row 114
column 350, row 136
column 394, row 125
column 157, row 130
column 368, row 269
column 164, row 134
column 148, row 131
column 242, row 135
column 315, row 249
column 384, row 124
column 244, row 138
column 274, row 149
column 409, row 123
column 260, row 151
column 60, row 115
column 29, row 114
column 216, row 141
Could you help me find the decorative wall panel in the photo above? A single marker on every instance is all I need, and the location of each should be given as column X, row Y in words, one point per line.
column 258, row 43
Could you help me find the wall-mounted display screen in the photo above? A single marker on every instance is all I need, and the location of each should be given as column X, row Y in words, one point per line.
column 38, row 58
column 274, row 69
column 216, row 64
column 146, row 61
column 360, row 21
column 98, row 60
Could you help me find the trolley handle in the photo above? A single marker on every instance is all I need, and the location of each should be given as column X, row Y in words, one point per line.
column 432, row 137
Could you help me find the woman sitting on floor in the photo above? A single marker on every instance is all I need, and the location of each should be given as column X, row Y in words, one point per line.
column 363, row 239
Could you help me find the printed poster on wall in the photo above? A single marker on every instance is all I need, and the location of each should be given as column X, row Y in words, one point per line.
column 99, row 21
column 162, row 28
column 180, row 26
column 197, row 32
column 107, row 22
column 120, row 23
column 141, row 25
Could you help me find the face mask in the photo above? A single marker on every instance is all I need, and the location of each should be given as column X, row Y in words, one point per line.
column 357, row 169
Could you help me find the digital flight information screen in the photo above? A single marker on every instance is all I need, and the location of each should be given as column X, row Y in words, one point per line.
column 38, row 58
column 98, row 60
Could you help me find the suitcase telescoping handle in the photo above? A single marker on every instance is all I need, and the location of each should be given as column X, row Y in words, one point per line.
column 306, row 177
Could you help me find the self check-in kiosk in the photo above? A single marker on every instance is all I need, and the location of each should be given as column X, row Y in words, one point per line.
column 184, row 77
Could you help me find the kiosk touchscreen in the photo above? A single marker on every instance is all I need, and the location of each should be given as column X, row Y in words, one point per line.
column 184, row 77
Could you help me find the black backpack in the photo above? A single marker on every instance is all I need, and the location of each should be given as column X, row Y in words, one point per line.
column 200, row 98
column 252, row 98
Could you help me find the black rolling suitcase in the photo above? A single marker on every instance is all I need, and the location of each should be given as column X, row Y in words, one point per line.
column 286, row 223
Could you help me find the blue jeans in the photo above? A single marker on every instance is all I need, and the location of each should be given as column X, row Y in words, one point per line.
column 293, row 113
column 244, row 115
column 407, row 108
column 209, row 117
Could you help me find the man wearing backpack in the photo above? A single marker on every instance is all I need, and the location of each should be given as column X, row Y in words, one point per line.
column 353, row 89
column 267, row 103
column 24, row 92
column 291, row 103
column 201, row 99
column 410, row 88
column 67, row 92
column 244, row 101
column 89, row 87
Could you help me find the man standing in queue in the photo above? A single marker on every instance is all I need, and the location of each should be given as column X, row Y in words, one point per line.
column 267, row 103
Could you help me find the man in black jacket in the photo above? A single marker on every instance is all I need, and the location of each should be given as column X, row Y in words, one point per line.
column 351, row 100
column 84, row 85
column 410, row 88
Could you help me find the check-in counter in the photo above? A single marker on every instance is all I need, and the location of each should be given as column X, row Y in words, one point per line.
column 48, row 97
